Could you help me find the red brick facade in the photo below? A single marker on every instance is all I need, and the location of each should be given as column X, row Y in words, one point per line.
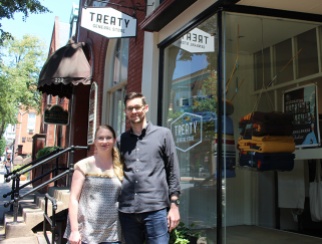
column 99, row 45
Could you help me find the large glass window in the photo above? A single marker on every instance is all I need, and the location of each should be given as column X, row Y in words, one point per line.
column 117, row 85
column 263, row 58
column 190, row 90
column 274, row 55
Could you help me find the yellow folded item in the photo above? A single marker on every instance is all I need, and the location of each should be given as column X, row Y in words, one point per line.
column 267, row 144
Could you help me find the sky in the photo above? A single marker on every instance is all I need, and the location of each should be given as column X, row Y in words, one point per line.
column 40, row 25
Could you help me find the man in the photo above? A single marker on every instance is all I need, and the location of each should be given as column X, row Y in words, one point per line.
column 149, row 202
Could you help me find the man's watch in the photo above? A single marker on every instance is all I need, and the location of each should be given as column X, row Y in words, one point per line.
column 176, row 201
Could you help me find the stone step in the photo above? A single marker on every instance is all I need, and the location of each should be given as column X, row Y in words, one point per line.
column 31, row 213
column 23, row 240
column 16, row 229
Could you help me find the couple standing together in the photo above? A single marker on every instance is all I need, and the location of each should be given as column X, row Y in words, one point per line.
column 139, row 195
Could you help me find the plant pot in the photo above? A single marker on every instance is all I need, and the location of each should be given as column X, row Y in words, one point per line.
column 23, row 177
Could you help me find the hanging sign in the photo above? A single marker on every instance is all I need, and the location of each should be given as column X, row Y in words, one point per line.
column 197, row 41
column 92, row 108
column 108, row 22
column 56, row 115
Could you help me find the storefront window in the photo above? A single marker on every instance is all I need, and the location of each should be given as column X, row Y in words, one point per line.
column 117, row 86
column 263, row 58
column 191, row 92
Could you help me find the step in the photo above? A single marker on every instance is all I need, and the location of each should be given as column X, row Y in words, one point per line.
column 31, row 213
column 61, row 194
column 22, row 240
column 16, row 229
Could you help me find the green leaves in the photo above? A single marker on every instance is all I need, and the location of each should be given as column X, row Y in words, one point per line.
column 8, row 8
column 2, row 145
column 20, row 65
column 45, row 151
column 183, row 234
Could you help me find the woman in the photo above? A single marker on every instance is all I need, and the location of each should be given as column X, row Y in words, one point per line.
column 96, row 184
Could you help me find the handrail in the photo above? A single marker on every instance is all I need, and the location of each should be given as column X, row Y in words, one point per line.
column 15, row 176
column 45, row 160
column 34, row 189
column 51, row 221
column 31, row 163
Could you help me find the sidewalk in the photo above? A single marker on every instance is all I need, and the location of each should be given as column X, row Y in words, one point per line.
column 4, row 188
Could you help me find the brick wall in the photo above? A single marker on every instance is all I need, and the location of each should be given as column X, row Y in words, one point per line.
column 99, row 45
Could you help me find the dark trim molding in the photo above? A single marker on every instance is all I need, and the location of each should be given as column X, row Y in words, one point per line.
column 220, row 60
column 273, row 12
column 160, row 87
column 195, row 21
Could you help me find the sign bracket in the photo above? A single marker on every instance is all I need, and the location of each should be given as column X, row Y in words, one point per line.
column 134, row 6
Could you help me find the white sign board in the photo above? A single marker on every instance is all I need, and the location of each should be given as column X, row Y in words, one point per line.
column 197, row 41
column 108, row 22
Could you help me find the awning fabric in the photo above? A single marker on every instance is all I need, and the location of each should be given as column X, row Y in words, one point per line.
column 68, row 66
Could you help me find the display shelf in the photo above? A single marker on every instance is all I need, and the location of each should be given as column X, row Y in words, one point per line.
column 308, row 153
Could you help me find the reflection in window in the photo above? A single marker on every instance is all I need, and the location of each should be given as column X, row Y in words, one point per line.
column 117, row 86
column 190, row 91
column 121, row 61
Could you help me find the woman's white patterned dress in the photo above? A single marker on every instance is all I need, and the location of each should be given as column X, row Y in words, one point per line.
column 98, row 207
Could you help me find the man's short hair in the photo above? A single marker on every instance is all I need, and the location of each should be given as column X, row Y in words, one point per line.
column 132, row 95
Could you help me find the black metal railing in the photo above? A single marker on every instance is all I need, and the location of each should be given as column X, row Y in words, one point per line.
column 58, row 173
column 14, row 176
column 50, row 220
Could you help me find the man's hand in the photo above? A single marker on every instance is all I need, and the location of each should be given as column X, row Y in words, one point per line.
column 173, row 217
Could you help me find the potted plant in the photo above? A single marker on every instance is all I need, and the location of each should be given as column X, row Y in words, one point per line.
column 45, row 151
column 184, row 235
column 44, row 169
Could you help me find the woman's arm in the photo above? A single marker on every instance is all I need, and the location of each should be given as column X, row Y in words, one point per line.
column 76, row 188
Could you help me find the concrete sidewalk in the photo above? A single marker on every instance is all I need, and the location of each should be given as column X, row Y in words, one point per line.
column 4, row 188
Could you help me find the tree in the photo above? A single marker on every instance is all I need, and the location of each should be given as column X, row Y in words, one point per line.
column 8, row 8
column 20, row 65
column 2, row 146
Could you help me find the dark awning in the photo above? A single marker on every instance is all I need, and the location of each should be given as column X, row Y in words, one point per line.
column 68, row 66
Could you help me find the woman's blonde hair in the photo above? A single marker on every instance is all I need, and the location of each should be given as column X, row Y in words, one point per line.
column 117, row 164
